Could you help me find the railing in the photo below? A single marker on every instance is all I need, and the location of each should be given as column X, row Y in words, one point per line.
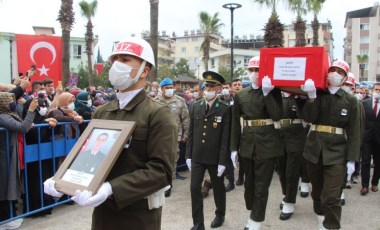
column 41, row 160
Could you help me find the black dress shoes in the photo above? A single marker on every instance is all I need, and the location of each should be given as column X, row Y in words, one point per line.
column 168, row 192
column 230, row 186
column 285, row 216
column 304, row 194
column 198, row 227
column 240, row 181
column 217, row 222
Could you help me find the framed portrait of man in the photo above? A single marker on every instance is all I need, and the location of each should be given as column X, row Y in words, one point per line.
column 92, row 157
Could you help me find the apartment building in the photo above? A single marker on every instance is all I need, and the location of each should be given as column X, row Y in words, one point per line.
column 325, row 37
column 362, row 38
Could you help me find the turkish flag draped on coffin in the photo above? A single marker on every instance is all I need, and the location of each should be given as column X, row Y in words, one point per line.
column 45, row 52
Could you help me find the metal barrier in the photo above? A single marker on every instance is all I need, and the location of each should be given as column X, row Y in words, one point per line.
column 42, row 158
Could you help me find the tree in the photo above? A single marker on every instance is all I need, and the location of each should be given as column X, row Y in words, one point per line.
column 209, row 25
column 182, row 68
column 99, row 58
column 299, row 7
column 66, row 19
column 315, row 6
column 88, row 11
column 362, row 59
column 225, row 72
column 154, row 35
column 164, row 71
column 274, row 29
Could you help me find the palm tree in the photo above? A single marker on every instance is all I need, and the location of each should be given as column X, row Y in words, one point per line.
column 209, row 25
column 274, row 29
column 362, row 59
column 154, row 34
column 66, row 19
column 88, row 11
column 315, row 6
column 299, row 7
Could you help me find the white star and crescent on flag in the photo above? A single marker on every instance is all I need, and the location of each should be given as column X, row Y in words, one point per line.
column 46, row 45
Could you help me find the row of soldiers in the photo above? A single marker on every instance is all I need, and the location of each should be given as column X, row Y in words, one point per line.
column 265, row 127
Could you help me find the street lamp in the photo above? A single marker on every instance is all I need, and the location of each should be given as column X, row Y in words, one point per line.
column 231, row 7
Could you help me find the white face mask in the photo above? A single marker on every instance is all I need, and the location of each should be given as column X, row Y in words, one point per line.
column 209, row 95
column 375, row 95
column 225, row 92
column 71, row 107
column 347, row 89
column 119, row 75
column 334, row 79
column 359, row 96
column 89, row 103
column 254, row 77
column 169, row 92
column 42, row 111
column 196, row 95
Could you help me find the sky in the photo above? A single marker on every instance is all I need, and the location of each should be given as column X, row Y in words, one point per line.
column 117, row 19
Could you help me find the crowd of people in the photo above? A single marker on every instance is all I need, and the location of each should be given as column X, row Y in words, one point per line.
column 319, row 141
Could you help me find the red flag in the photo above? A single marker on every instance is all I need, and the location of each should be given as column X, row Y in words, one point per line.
column 45, row 52
column 99, row 69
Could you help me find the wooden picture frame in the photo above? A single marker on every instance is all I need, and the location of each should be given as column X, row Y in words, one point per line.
column 100, row 145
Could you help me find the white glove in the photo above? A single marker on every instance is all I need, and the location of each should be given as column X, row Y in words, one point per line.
column 50, row 189
column 266, row 85
column 234, row 158
column 157, row 199
column 188, row 162
column 221, row 169
column 309, row 88
column 350, row 168
column 85, row 198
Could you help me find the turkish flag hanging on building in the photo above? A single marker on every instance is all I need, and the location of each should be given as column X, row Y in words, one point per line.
column 45, row 52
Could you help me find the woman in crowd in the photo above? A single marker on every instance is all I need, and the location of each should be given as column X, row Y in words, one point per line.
column 65, row 112
column 10, row 180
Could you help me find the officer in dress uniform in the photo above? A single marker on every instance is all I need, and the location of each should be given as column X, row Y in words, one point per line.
column 207, row 149
column 259, row 142
column 333, row 140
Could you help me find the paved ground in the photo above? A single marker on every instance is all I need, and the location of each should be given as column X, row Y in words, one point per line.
column 360, row 212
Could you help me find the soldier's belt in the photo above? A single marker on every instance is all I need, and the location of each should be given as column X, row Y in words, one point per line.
column 287, row 122
column 258, row 122
column 326, row 129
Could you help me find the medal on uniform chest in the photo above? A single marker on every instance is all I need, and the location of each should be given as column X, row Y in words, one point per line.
column 217, row 120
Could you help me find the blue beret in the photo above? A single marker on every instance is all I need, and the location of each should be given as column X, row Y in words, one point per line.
column 166, row 81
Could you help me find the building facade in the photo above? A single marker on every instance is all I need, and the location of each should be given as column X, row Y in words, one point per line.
column 325, row 37
column 362, row 38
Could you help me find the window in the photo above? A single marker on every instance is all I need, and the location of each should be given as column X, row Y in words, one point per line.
column 194, row 39
column 183, row 49
column 364, row 26
column 364, row 40
column 363, row 52
column 196, row 48
column 77, row 51
column 246, row 60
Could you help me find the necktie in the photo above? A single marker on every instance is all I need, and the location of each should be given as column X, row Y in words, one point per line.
column 207, row 108
column 375, row 107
